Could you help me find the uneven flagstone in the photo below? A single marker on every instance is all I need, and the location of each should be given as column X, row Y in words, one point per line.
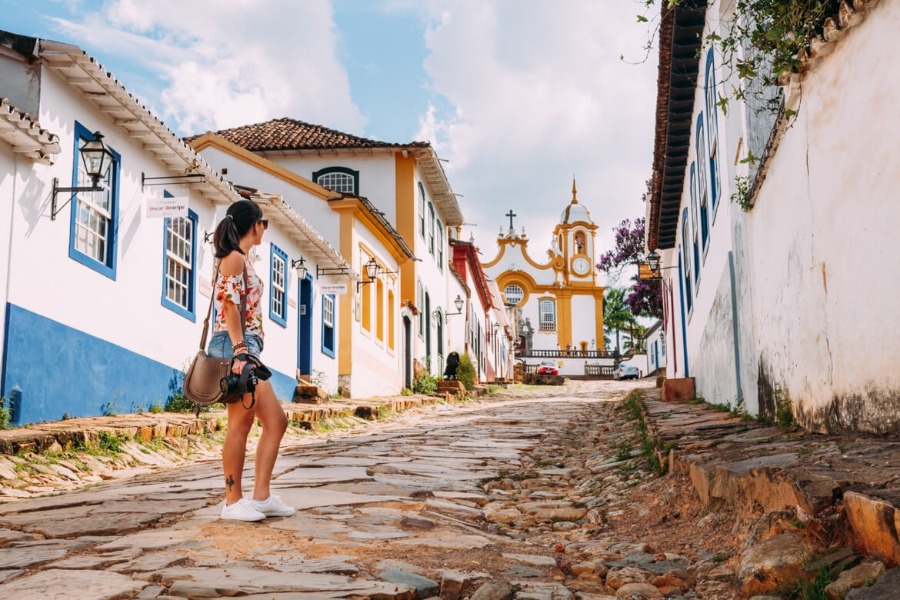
column 535, row 494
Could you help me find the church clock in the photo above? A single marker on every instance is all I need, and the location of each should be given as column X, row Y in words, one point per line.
column 581, row 266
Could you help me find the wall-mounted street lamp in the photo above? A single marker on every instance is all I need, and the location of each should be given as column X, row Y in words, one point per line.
column 653, row 264
column 653, row 261
column 300, row 265
column 458, row 303
column 97, row 159
column 371, row 268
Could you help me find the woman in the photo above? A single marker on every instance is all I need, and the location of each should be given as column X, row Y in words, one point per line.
column 241, row 229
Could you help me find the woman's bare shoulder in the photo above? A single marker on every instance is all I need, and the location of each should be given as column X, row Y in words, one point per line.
column 233, row 264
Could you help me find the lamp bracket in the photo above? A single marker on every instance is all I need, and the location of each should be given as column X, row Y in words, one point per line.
column 188, row 179
column 55, row 210
column 331, row 271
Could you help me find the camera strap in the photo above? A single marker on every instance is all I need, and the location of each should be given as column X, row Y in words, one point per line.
column 246, row 372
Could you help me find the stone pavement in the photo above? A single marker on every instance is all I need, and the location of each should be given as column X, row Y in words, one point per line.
column 396, row 513
column 539, row 494
column 839, row 490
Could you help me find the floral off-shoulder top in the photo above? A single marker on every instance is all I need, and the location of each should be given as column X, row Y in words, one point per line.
column 230, row 288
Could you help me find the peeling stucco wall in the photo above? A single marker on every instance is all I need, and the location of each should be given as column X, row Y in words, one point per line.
column 824, row 279
column 714, row 367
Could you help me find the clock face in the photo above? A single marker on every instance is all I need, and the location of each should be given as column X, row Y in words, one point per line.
column 581, row 266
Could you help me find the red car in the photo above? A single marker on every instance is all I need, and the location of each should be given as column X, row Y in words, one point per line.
column 547, row 367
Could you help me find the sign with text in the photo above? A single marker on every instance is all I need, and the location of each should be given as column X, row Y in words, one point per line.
column 333, row 288
column 169, row 206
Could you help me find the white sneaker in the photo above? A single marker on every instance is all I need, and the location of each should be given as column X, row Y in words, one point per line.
column 273, row 507
column 242, row 510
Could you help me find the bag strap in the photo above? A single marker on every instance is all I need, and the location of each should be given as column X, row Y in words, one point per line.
column 212, row 297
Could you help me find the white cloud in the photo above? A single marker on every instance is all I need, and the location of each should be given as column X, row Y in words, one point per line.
column 540, row 95
column 232, row 63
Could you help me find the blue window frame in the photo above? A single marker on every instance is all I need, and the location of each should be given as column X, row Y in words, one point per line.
column 712, row 128
column 328, row 325
column 278, row 286
column 179, row 264
column 702, row 187
column 338, row 179
column 685, row 260
column 93, row 227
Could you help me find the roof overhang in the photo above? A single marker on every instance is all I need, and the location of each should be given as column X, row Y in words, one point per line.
column 436, row 179
column 680, row 39
column 299, row 230
column 98, row 86
column 25, row 135
column 374, row 219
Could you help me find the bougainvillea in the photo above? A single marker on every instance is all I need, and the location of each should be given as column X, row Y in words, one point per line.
column 629, row 247
column 645, row 299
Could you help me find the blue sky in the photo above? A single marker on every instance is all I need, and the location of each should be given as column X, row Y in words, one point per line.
column 517, row 96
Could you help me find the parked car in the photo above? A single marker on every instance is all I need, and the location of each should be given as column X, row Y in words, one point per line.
column 547, row 367
column 624, row 371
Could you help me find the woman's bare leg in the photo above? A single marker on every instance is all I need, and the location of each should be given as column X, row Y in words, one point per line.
column 240, row 420
column 274, row 423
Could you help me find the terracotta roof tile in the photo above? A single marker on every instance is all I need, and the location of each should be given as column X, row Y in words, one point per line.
column 291, row 134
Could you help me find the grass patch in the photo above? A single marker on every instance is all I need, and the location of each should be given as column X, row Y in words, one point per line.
column 633, row 404
column 810, row 590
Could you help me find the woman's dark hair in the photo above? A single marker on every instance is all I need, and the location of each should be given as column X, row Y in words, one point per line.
column 240, row 217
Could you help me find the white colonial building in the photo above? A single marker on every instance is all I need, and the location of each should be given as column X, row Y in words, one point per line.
column 105, row 286
column 772, row 303
column 366, row 352
column 408, row 191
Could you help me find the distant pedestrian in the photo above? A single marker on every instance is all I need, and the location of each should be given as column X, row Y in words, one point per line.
column 240, row 230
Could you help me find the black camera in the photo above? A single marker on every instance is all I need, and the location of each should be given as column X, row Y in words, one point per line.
column 232, row 383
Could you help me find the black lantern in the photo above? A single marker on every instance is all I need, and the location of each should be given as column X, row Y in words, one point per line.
column 653, row 261
column 300, row 265
column 97, row 159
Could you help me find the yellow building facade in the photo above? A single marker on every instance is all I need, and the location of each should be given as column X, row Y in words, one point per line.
column 558, row 298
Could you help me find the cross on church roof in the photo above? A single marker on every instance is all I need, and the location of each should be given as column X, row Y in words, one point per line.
column 511, row 214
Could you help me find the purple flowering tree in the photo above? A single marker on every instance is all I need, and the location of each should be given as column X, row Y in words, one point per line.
column 645, row 297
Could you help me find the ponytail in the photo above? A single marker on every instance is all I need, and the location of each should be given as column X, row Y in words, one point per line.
column 239, row 218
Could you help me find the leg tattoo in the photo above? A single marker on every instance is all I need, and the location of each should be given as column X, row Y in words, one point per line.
column 229, row 482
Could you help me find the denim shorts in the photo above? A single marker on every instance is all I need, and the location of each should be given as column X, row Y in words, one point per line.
column 220, row 345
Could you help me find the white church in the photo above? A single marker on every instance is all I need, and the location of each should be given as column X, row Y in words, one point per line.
column 557, row 295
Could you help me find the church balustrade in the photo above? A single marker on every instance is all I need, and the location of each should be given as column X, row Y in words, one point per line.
column 567, row 354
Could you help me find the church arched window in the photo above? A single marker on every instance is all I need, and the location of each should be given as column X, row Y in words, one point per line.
column 579, row 242
column 513, row 294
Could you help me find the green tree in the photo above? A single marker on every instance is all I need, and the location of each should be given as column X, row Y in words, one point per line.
column 616, row 314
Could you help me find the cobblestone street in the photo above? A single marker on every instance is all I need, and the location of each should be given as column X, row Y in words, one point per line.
column 533, row 493
column 443, row 499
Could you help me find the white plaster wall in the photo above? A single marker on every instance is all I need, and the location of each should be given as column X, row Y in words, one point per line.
column 75, row 295
column 455, row 327
column 126, row 311
column 657, row 340
column 314, row 209
column 821, row 233
column 377, row 174
column 9, row 178
column 584, row 320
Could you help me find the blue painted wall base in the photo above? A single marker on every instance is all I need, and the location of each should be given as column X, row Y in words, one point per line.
column 61, row 370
